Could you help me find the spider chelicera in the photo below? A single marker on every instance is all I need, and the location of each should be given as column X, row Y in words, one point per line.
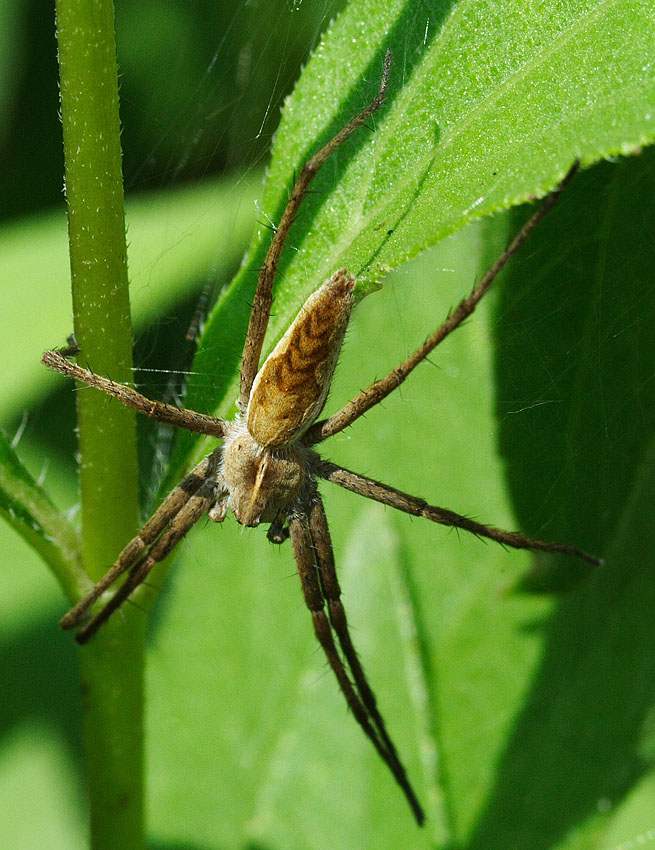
column 266, row 468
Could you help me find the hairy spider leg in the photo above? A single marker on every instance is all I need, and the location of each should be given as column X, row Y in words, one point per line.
column 181, row 417
column 147, row 535
column 189, row 514
column 305, row 555
column 379, row 390
column 416, row 506
column 331, row 590
column 263, row 300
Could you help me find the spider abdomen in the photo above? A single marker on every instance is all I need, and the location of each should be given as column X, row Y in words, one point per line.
column 291, row 387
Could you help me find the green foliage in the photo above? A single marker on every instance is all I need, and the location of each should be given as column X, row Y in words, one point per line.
column 27, row 507
column 525, row 718
column 537, row 707
column 487, row 108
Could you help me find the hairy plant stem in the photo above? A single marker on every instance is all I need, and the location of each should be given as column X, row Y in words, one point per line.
column 112, row 666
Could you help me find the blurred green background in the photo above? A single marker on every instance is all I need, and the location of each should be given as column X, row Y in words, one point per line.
column 526, row 719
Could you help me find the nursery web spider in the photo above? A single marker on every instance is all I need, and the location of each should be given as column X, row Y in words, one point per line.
column 266, row 468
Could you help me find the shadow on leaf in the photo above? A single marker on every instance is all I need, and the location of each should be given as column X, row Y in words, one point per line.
column 576, row 356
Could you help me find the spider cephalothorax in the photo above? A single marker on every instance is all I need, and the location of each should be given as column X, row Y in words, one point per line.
column 260, row 482
column 266, row 470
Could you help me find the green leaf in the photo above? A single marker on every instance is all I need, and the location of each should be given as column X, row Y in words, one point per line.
column 583, row 315
column 26, row 507
column 521, row 692
column 487, row 107
column 526, row 721
column 576, row 402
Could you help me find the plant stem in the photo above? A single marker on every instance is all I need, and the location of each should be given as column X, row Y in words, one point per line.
column 112, row 666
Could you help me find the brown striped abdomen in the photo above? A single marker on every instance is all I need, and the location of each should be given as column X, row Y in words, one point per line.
column 291, row 387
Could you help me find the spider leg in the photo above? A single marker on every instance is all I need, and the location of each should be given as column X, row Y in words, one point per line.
column 305, row 552
column 184, row 520
column 218, row 511
column 263, row 300
column 168, row 509
column 179, row 416
column 329, row 581
column 379, row 390
column 379, row 492
column 278, row 531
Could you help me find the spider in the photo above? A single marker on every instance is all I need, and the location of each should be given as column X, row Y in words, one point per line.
column 266, row 468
